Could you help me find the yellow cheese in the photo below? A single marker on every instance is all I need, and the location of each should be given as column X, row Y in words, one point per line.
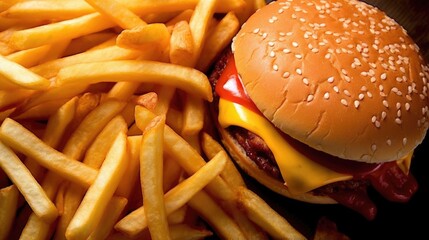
column 300, row 173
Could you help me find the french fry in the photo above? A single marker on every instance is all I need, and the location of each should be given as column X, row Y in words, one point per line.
column 41, row 111
column 56, row 51
column 50, row 33
column 183, row 16
column 100, row 192
column 87, row 42
column 175, row 119
column 13, row 73
column 187, row 157
column 219, row 39
column 30, row 57
column 181, row 44
column 127, row 184
column 90, row 127
column 51, row 68
column 15, row 135
column 263, row 215
column 184, row 231
column 172, row 173
column 118, row 13
column 27, row 185
column 215, row 216
column 135, row 222
column 6, row 4
column 230, row 174
column 193, row 116
column 165, row 95
column 188, row 79
column 155, row 35
column 123, row 90
column 8, row 206
column 12, row 98
column 151, row 168
column 112, row 213
column 55, row 128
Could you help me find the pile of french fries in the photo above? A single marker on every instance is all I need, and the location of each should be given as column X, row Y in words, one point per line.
column 103, row 123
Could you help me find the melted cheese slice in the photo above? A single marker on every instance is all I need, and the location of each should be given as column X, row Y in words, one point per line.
column 300, row 173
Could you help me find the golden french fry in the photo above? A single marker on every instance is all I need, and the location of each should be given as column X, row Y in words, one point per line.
column 175, row 119
column 148, row 100
column 230, row 174
column 151, row 168
column 215, row 216
column 111, row 215
column 199, row 23
column 90, row 127
column 177, row 216
column 51, row 68
column 193, row 116
column 27, row 185
column 165, row 95
column 187, row 157
column 99, row 148
column 30, row 57
column 155, row 36
column 6, row 4
column 183, row 16
column 12, row 98
column 184, row 231
column 135, row 222
column 13, row 73
column 259, row 4
column 36, row 228
column 41, row 111
column 123, row 90
column 67, row 9
column 16, row 136
column 94, row 203
column 55, row 128
column 117, row 12
column 172, row 173
column 8, row 207
column 128, row 182
column 181, row 44
column 266, row 217
column 53, row 32
column 218, row 40
column 188, row 79
column 87, row 42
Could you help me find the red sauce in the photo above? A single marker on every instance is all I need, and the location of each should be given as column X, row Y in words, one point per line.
column 387, row 178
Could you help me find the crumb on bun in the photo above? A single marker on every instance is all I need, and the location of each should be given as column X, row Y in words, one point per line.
column 339, row 76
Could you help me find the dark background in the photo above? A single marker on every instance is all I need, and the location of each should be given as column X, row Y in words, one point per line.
column 393, row 220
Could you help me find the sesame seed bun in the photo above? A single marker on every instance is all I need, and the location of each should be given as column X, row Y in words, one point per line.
column 339, row 76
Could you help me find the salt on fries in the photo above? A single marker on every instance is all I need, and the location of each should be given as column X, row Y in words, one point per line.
column 103, row 119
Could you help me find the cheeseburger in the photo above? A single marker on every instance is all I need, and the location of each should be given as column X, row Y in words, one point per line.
column 321, row 100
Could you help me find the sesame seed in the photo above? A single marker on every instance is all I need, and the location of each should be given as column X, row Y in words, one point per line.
column 328, row 56
column 286, row 50
column 299, row 71
column 275, row 67
column 373, row 119
column 326, row 95
column 346, row 92
column 361, row 96
column 389, row 142
column 305, row 81
column 271, row 44
column 369, row 94
column 407, row 106
column 383, row 76
column 295, row 44
column 330, row 79
column 344, row 102
column 377, row 124
column 336, row 89
column 310, row 97
column 398, row 113
column 398, row 120
column 386, row 103
column 373, row 147
column 272, row 54
column 356, row 103
column 404, row 141
column 298, row 56
column 256, row 30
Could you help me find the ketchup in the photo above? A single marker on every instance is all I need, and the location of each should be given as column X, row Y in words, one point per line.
column 387, row 178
